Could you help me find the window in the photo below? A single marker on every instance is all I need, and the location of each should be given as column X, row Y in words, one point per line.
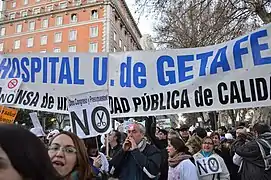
column 45, row 23
column 74, row 18
column 77, row 2
column 120, row 43
column 42, row 51
column 124, row 48
column 1, row 46
column 3, row 31
column 37, row 0
column 24, row 13
column 13, row 4
column 94, row 31
column 115, row 36
column 59, row 20
column 17, row 44
column 94, row 14
column 30, row 42
column 73, row 35
column 12, row 16
column 25, row 2
column 58, row 37
column 57, row 50
column 49, row 8
column 19, row 28
column 31, row 26
column 43, row 40
column 115, row 49
column 62, row 5
column 36, row 10
column 93, row 47
column 72, row 49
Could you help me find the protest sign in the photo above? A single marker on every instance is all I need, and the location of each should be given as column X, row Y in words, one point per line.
column 164, row 123
column 9, row 89
column 89, row 114
column 7, row 115
column 35, row 120
column 49, row 78
column 208, row 166
column 234, row 74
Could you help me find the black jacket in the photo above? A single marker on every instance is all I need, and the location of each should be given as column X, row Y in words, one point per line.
column 136, row 165
column 253, row 167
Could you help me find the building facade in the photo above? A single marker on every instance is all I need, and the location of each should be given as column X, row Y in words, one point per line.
column 57, row 26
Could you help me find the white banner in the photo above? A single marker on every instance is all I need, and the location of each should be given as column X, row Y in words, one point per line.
column 235, row 74
column 89, row 114
column 47, row 79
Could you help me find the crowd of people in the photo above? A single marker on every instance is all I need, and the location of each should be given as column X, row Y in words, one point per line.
column 143, row 153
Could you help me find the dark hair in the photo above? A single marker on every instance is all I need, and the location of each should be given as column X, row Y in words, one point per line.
column 179, row 145
column 163, row 131
column 200, row 132
column 118, row 135
column 261, row 128
column 27, row 153
column 223, row 129
column 82, row 165
column 215, row 134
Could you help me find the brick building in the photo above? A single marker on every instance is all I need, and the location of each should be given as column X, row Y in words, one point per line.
column 67, row 26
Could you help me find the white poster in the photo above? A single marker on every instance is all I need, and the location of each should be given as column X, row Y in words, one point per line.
column 234, row 74
column 208, row 166
column 89, row 114
column 35, row 120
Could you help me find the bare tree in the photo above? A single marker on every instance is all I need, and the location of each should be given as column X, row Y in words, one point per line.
column 250, row 8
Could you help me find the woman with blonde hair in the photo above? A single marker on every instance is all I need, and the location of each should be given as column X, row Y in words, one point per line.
column 207, row 152
column 69, row 157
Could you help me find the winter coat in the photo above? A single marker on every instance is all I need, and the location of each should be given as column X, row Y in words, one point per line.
column 224, row 175
column 252, row 166
column 185, row 170
column 136, row 165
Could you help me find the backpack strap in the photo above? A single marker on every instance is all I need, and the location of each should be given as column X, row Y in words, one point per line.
column 267, row 166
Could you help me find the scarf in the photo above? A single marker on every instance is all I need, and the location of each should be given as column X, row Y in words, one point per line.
column 206, row 154
column 174, row 161
column 142, row 144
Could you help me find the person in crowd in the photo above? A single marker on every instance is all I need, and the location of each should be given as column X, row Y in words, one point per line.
column 162, row 134
column 150, row 125
column 98, row 160
column 69, row 157
column 255, row 155
column 200, row 132
column 241, row 130
column 180, row 165
column 223, row 149
column 194, row 144
column 114, row 143
column 23, row 156
column 222, row 131
column 172, row 133
column 208, row 151
column 137, row 159
column 184, row 132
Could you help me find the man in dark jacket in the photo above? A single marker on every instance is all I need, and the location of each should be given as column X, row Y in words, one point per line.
column 137, row 160
column 253, row 166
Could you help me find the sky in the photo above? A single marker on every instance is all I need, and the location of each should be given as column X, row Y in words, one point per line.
column 145, row 24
